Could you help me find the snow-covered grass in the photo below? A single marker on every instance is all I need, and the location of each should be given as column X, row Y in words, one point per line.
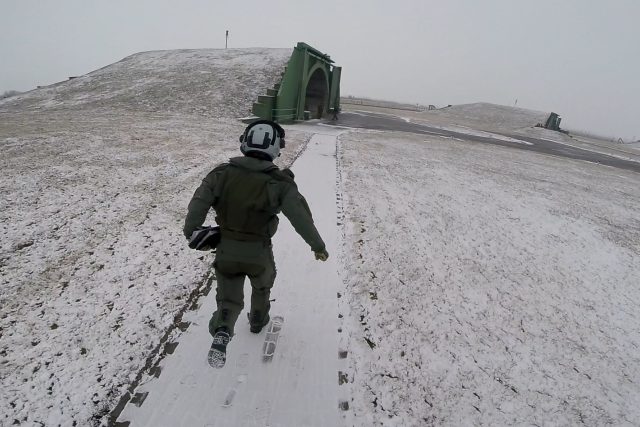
column 93, row 264
column 465, row 131
column 483, row 285
column 479, row 116
column 207, row 82
column 487, row 285
column 486, row 116
column 510, row 123
column 9, row 93
column 614, row 149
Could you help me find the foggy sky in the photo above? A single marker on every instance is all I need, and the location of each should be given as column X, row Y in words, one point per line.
column 579, row 58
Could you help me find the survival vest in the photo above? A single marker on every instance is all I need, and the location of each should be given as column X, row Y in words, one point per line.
column 248, row 201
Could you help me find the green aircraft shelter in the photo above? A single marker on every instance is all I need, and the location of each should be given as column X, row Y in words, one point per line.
column 309, row 88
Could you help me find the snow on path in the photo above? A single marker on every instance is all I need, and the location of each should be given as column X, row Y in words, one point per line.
column 299, row 387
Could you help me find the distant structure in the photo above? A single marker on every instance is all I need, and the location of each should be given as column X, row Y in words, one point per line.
column 553, row 122
column 309, row 88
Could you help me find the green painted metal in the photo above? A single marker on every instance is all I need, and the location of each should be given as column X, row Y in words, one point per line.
column 553, row 122
column 310, row 88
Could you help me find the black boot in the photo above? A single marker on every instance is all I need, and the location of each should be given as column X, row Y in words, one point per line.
column 218, row 351
column 257, row 322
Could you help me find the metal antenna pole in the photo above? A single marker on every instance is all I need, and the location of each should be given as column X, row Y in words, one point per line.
column 226, row 39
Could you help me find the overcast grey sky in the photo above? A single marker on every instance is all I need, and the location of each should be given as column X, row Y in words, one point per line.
column 580, row 58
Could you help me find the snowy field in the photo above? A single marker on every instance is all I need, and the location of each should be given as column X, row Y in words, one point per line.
column 205, row 82
column 94, row 265
column 480, row 116
column 502, row 123
column 92, row 258
column 481, row 285
column 487, row 285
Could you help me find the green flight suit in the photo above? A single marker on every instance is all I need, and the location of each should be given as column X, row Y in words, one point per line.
column 247, row 194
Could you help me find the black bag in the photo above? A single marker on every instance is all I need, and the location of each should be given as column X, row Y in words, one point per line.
column 205, row 238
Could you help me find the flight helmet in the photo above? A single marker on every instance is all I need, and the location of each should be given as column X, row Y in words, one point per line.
column 262, row 136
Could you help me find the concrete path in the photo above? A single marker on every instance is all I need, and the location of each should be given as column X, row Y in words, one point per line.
column 299, row 387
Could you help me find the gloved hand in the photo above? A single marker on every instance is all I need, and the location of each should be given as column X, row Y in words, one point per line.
column 322, row 255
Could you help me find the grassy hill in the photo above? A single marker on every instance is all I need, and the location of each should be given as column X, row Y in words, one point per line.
column 206, row 82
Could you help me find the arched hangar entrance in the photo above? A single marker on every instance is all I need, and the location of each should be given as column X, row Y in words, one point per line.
column 309, row 88
column 317, row 94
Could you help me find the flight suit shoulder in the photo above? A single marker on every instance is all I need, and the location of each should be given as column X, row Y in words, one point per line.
column 283, row 175
column 215, row 172
column 220, row 167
